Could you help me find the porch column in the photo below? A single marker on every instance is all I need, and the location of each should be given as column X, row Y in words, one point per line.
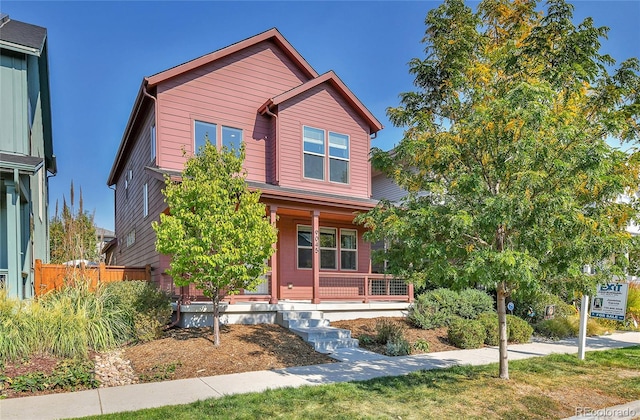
column 274, row 260
column 315, row 227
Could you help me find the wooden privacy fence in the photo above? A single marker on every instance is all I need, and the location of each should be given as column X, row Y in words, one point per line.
column 53, row 276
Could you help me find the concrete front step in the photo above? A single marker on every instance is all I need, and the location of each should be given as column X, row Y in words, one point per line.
column 329, row 346
column 321, row 333
column 315, row 330
column 304, row 323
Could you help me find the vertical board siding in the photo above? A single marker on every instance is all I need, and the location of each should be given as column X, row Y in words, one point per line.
column 322, row 107
column 13, row 105
column 227, row 92
column 129, row 209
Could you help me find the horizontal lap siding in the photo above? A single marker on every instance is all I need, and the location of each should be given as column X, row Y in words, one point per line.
column 129, row 210
column 322, row 107
column 226, row 92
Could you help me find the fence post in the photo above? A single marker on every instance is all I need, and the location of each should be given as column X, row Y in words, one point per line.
column 410, row 289
column 102, row 272
column 366, row 289
column 37, row 281
column 147, row 272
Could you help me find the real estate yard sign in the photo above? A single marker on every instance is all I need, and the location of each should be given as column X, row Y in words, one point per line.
column 610, row 301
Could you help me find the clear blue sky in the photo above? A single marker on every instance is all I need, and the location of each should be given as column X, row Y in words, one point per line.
column 100, row 51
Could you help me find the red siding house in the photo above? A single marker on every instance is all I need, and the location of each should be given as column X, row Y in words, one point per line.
column 307, row 139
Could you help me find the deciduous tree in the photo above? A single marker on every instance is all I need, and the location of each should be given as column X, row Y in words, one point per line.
column 216, row 233
column 512, row 184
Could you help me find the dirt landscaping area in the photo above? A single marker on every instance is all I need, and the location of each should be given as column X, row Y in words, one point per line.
column 188, row 353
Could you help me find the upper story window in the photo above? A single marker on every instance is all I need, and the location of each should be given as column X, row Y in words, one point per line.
column 338, row 158
column 145, row 200
column 315, row 149
column 152, row 135
column 313, row 145
column 203, row 131
column 231, row 138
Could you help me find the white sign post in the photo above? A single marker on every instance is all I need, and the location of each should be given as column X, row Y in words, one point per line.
column 582, row 335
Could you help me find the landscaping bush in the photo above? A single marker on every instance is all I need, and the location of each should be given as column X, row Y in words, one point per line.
column 538, row 302
column 466, row 333
column 68, row 375
column 473, row 302
column 148, row 308
column 435, row 308
column 398, row 347
column 555, row 329
column 16, row 338
column 518, row 330
column 489, row 321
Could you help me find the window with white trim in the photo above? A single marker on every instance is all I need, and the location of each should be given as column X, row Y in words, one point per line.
column 348, row 249
column 232, row 138
column 329, row 248
column 145, row 200
column 152, row 135
column 338, row 158
column 313, row 148
column 305, row 247
column 202, row 132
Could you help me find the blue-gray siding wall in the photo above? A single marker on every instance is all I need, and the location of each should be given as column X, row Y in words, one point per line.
column 14, row 131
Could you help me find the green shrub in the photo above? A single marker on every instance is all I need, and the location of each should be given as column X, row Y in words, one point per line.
column 68, row 375
column 538, row 303
column 473, row 302
column 435, row 308
column 421, row 345
column 555, row 329
column 148, row 308
column 466, row 333
column 518, row 330
column 16, row 338
column 489, row 321
column 398, row 347
column 388, row 331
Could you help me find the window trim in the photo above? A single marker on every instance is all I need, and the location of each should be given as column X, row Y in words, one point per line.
column 355, row 250
column 348, row 159
column 323, row 156
column 338, row 249
column 194, row 139
column 145, row 200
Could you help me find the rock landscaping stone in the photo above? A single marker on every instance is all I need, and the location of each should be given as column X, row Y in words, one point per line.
column 112, row 370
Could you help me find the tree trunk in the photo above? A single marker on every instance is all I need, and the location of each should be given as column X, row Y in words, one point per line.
column 502, row 328
column 216, row 318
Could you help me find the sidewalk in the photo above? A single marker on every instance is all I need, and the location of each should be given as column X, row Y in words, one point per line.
column 356, row 365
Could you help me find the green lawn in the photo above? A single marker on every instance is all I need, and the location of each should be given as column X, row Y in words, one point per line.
column 547, row 387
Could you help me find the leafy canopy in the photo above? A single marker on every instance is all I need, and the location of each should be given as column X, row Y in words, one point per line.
column 216, row 232
column 510, row 178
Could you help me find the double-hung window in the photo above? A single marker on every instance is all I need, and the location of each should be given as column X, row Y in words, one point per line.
column 232, row 138
column 305, row 247
column 328, row 249
column 313, row 142
column 203, row 131
column 338, row 158
column 348, row 249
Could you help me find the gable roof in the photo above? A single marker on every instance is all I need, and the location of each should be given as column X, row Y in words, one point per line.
column 331, row 78
column 151, row 81
column 272, row 35
column 22, row 37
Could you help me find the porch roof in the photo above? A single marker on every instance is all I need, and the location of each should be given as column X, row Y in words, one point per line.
column 24, row 164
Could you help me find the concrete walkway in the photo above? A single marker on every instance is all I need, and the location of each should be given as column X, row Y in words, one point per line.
column 356, row 365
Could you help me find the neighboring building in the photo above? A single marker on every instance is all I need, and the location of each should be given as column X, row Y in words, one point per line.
column 26, row 154
column 307, row 141
column 104, row 238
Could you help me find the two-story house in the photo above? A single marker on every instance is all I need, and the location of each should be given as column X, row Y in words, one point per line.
column 26, row 154
column 307, row 139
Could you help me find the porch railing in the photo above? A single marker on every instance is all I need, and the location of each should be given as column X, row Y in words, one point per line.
column 363, row 286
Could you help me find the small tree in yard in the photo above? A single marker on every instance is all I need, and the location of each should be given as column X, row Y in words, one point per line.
column 217, row 232
column 72, row 234
column 511, row 182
